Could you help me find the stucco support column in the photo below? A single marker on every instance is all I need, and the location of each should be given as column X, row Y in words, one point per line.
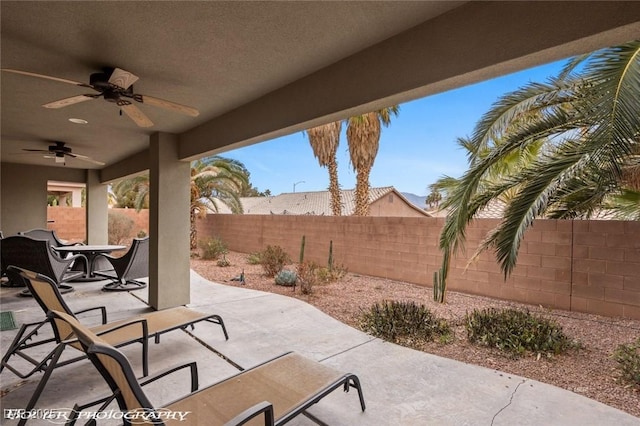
column 169, row 197
column 97, row 209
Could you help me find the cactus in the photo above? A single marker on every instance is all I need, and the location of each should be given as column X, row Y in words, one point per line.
column 286, row 278
column 330, row 263
column 302, row 250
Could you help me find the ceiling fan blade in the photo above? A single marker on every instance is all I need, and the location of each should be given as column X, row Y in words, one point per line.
column 136, row 115
column 122, row 78
column 85, row 158
column 48, row 77
column 70, row 101
column 183, row 109
column 35, row 150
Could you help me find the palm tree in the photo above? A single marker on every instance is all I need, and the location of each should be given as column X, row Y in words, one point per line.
column 363, row 136
column 324, row 141
column 132, row 192
column 215, row 180
column 590, row 119
column 434, row 198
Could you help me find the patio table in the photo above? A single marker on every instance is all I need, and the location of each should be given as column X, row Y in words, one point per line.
column 91, row 252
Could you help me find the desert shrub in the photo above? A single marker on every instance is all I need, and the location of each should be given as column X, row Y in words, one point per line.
column 307, row 276
column 142, row 233
column 400, row 322
column 286, row 278
column 328, row 275
column 273, row 259
column 628, row 359
column 224, row 262
column 254, row 259
column 515, row 332
column 213, row 248
column 119, row 227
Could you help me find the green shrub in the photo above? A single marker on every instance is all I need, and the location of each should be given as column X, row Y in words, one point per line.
column 398, row 321
column 628, row 359
column 273, row 259
column 213, row 248
column 119, row 227
column 515, row 332
column 286, row 278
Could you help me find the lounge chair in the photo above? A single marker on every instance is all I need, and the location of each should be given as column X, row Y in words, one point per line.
column 128, row 268
column 118, row 333
column 38, row 256
column 277, row 390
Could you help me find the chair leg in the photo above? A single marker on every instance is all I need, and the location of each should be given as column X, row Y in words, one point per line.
column 43, row 381
column 124, row 285
column 354, row 382
column 217, row 319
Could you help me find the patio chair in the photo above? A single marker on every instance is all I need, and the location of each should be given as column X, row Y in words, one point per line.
column 49, row 235
column 38, row 256
column 277, row 390
column 128, row 268
column 117, row 333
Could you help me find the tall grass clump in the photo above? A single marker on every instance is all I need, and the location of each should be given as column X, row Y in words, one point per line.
column 404, row 322
column 516, row 332
column 628, row 359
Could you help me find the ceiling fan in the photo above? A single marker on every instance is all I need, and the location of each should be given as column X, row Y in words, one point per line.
column 114, row 85
column 59, row 151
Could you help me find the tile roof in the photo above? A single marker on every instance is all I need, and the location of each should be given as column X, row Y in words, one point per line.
column 307, row 203
column 493, row 210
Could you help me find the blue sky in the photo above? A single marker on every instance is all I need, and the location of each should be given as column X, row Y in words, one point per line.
column 416, row 149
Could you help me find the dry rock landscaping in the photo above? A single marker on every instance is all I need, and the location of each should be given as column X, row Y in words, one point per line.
column 588, row 369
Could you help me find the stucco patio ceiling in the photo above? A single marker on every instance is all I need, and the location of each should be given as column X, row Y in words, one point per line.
column 256, row 70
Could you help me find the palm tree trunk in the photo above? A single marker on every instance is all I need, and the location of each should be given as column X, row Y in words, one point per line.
column 193, row 233
column 334, row 188
column 362, row 192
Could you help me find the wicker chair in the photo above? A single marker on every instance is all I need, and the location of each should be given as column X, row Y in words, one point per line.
column 128, row 268
column 38, row 256
column 276, row 391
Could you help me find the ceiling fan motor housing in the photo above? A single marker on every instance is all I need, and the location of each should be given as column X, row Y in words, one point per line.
column 59, row 149
column 100, row 81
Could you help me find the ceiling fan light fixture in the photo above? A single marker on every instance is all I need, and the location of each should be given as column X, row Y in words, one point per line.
column 78, row 121
column 59, row 158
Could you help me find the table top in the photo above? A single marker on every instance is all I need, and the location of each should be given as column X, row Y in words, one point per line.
column 95, row 248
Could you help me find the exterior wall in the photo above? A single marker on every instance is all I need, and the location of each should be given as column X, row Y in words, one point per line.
column 69, row 222
column 391, row 205
column 23, row 199
column 586, row 266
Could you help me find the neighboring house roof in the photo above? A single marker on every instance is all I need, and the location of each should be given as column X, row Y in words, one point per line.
column 313, row 203
column 493, row 210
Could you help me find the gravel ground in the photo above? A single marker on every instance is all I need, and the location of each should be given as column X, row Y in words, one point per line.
column 589, row 371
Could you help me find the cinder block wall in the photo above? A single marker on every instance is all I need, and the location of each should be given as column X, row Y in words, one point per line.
column 70, row 222
column 587, row 266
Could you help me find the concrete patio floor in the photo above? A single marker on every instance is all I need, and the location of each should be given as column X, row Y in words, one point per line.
column 401, row 386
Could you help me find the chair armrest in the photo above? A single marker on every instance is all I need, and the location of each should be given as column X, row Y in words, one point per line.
column 142, row 321
column 248, row 414
column 103, row 312
column 193, row 369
